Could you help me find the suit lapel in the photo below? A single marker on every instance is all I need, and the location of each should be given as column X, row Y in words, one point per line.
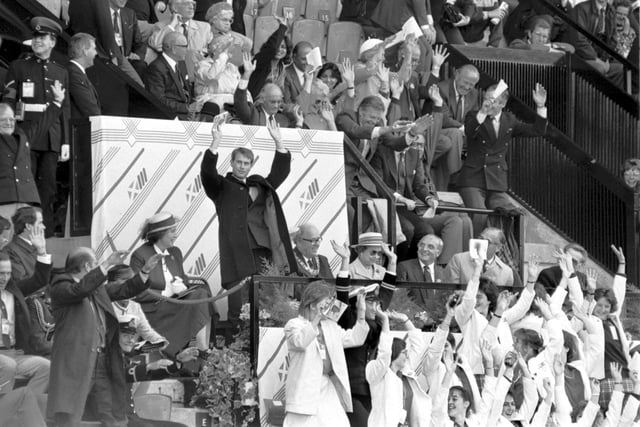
column 453, row 100
column 293, row 75
column 10, row 141
column 176, row 78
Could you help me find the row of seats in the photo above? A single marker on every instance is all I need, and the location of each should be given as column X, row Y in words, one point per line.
column 336, row 41
column 321, row 10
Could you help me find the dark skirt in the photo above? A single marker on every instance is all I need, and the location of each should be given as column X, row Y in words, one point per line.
column 179, row 323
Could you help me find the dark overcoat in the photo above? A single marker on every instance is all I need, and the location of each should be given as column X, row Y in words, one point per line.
column 16, row 178
column 486, row 163
column 72, row 357
column 231, row 198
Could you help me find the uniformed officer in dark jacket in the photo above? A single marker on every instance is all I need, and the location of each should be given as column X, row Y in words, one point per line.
column 28, row 92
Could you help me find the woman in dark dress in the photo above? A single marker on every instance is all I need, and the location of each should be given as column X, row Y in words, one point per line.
column 177, row 323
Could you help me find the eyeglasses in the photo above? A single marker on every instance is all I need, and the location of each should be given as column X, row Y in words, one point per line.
column 314, row 241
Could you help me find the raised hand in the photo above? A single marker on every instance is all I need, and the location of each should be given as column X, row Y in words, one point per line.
column 434, row 94
column 533, row 268
column 616, row 372
column 504, row 300
column 386, row 249
column 440, row 54
column 282, row 20
column 619, row 254
column 151, row 262
column 326, row 111
column 297, row 112
column 274, row 130
column 341, row 250
column 348, row 74
column 361, row 304
column 216, row 130
column 248, row 64
column 116, row 258
column 36, row 236
column 396, row 86
column 544, row 308
column 592, row 279
column 58, row 92
column 422, row 124
column 540, row 95
column 383, row 73
column 397, row 316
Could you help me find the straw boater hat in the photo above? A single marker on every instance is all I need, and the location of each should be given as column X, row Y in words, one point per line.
column 369, row 239
column 158, row 222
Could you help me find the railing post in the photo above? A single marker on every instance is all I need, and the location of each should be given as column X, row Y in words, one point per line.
column 254, row 321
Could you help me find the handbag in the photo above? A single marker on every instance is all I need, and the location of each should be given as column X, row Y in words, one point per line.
column 451, row 13
column 42, row 327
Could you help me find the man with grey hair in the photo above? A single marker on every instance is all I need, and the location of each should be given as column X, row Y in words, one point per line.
column 167, row 77
column 83, row 95
column 18, row 188
column 197, row 33
column 220, row 16
column 307, row 241
column 268, row 106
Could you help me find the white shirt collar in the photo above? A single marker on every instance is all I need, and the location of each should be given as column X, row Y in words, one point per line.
column 78, row 65
column 159, row 251
column 172, row 62
column 26, row 240
column 112, row 11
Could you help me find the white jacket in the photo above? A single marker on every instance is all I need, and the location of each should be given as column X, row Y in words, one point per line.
column 305, row 362
column 387, row 390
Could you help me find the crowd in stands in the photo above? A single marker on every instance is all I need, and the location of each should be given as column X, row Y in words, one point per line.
column 550, row 351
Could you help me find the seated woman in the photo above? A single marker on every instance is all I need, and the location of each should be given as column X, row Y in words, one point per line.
column 341, row 84
column 317, row 385
column 368, row 265
column 178, row 324
column 216, row 78
column 371, row 76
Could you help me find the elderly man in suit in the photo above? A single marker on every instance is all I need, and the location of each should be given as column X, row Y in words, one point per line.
column 14, row 316
column 197, row 33
column 424, row 269
column 83, row 95
column 460, row 268
column 253, row 226
column 482, row 182
column 294, row 73
column 459, row 96
column 167, row 77
column 268, row 105
column 87, row 365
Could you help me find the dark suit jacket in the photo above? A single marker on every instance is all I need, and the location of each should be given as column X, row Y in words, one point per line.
column 408, row 106
column 347, row 122
column 16, row 178
column 233, row 206
column 156, row 277
column 144, row 10
column 410, row 271
column 21, row 289
column 292, row 86
column 418, row 185
column 391, row 14
column 165, row 84
column 23, row 258
column 486, row 163
column 448, row 93
column 94, row 17
column 72, row 356
column 586, row 15
column 249, row 114
column 324, row 269
column 83, row 95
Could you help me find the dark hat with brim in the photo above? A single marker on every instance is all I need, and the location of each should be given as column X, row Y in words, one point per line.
column 128, row 327
column 42, row 25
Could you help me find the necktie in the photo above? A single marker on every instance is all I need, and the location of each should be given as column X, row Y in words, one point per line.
column 116, row 29
column 100, row 322
column 496, row 125
column 365, row 148
column 427, row 274
column 601, row 22
column 460, row 109
column 185, row 32
column 402, row 172
column 4, row 320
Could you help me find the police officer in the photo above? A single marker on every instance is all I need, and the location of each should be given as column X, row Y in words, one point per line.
column 28, row 92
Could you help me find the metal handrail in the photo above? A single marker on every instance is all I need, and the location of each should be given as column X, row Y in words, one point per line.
column 569, row 20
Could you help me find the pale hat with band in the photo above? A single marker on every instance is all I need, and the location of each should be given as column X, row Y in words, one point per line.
column 159, row 222
column 369, row 239
column 370, row 44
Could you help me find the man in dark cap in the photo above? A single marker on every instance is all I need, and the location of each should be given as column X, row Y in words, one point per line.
column 28, row 92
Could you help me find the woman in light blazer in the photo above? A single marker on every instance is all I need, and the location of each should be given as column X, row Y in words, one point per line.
column 317, row 388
